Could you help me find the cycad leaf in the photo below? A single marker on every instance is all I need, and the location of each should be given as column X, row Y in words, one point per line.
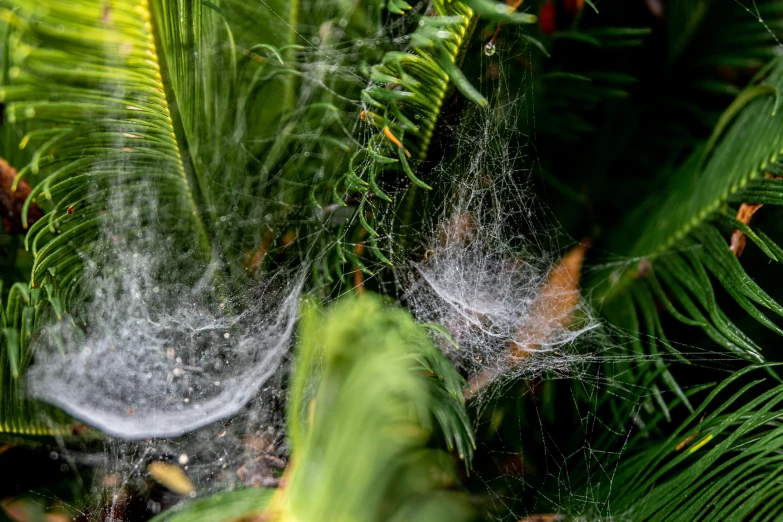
column 366, row 388
column 87, row 82
column 408, row 92
column 722, row 463
column 18, row 415
column 682, row 237
column 368, row 385
column 219, row 507
column 93, row 70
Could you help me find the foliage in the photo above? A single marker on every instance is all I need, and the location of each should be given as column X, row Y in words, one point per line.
column 369, row 388
column 259, row 139
column 719, row 464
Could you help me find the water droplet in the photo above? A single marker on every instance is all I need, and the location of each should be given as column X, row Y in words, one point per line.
column 490, row 48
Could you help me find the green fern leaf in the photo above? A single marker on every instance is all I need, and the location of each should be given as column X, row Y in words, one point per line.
column 723, row 459
column 90, row 83
column 682, row 237
column 368, row 389
column 101, row 86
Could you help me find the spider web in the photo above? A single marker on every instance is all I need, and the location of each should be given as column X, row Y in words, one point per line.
column 477, row 267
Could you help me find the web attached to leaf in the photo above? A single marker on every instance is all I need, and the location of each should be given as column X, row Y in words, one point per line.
column 163, row 357
column 492, row 250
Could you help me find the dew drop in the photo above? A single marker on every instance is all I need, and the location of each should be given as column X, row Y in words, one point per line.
column 490, row 48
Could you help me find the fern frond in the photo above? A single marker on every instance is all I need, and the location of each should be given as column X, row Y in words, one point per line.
column 87, row 82
column 725, row 458
column 367, row 392
column 367, row 388
column 220, row 507
column 404, row 100
column 93, row 72
column 408, row 90
column 18, row 414
column 746, row 41
column 682, row 237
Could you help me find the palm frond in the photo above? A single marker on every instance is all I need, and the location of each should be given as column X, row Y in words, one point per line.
column 85, row 86
column 246, row 54
column 408, row 90
column 220, row 507
column 100, row 86
column 367, row 388
column 405, row 98
column 746, row 43
column 722, row 463
column 682, row 238
column 367, row 393
column 573, row 87
column 19, row 415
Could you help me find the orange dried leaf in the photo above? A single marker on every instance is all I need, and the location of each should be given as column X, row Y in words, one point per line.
column 744, row 215
column 392, row 138
column 555, row 304
column 684, row 443
column 552, row 311
column 254, row 261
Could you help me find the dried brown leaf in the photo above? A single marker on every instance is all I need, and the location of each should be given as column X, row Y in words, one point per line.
column 555, row 305
column 552, row 311
column 744, row 215
column 12, row 201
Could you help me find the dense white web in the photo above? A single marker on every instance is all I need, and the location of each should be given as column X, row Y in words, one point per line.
column 159, row 360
